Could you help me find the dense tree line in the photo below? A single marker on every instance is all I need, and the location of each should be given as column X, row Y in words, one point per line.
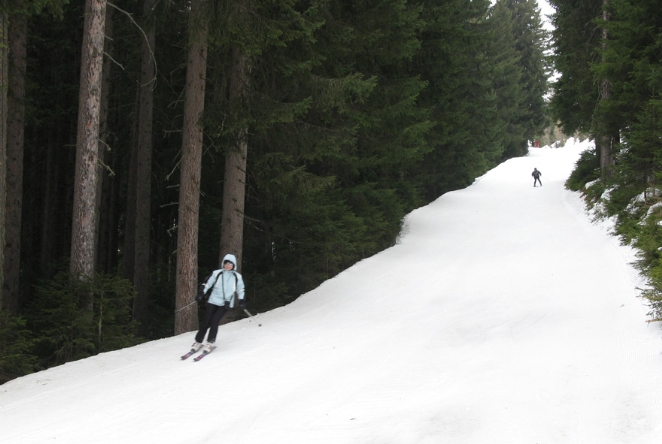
column 609, row 56
column 294, row 133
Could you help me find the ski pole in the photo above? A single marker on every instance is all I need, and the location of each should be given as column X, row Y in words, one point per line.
column 248, row 313
column 185, row 306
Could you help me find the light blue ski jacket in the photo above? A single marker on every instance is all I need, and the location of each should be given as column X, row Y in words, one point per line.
column 228, row 283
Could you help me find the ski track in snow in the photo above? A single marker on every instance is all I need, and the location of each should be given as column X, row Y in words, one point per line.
column 502, row 315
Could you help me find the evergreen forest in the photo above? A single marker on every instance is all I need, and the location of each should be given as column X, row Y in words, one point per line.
column 608, row 55
column 141, row 141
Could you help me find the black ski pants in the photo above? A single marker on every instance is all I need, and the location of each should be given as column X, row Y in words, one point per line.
column 213, row 316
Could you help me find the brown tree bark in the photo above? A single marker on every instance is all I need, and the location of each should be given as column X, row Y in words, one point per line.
column 144, row 173
column 189, row 192
column 18, row 31
column 234, row 186
column 83, row 242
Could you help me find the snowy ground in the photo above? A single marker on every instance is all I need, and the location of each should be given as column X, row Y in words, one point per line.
column 502, row 316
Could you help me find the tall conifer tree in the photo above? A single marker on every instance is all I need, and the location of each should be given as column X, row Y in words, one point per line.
column 186, row 318
column 83, row 245
column 576, row 41
column 531, row 42
column 460, row 94
column 632, row 64
column 506, row 75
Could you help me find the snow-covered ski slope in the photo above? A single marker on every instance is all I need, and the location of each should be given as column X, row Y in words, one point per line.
column 503, row 315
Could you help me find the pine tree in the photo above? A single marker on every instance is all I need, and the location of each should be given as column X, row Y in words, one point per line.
column 106, row 154
column 583, row 97
column 506, row 74
column 460, row 94
column 189, row 192
column 576, row 41
column 16, row 343
column 530, row 43
column 83, row 246
column 382, row 41
column 65, row 328
column 640, row 165
column 632, row 64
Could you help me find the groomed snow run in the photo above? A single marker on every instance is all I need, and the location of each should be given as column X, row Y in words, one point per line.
column 503, row 315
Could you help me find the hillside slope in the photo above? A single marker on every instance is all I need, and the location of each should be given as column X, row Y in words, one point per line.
column 501, row 316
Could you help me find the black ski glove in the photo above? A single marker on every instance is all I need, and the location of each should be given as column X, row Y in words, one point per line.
column 242, row 304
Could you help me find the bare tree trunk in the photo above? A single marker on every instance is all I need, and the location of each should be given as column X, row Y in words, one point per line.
column 83, row 242
column 234, row 192
column 18, row 32
column 103, row 185
column 4, row 43
column 144, row 174
column 189, row 192
column 234, row 187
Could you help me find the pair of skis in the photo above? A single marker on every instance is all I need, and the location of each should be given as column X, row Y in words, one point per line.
column 204, row 352
column 200, row 356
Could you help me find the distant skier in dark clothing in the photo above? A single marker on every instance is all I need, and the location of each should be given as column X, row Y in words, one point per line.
column 536, row 176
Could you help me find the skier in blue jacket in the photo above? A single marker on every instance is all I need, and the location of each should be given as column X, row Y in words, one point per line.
column 226, row 283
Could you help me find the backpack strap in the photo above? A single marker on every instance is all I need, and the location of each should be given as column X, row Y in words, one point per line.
column 216, row 280
column 236, row 282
